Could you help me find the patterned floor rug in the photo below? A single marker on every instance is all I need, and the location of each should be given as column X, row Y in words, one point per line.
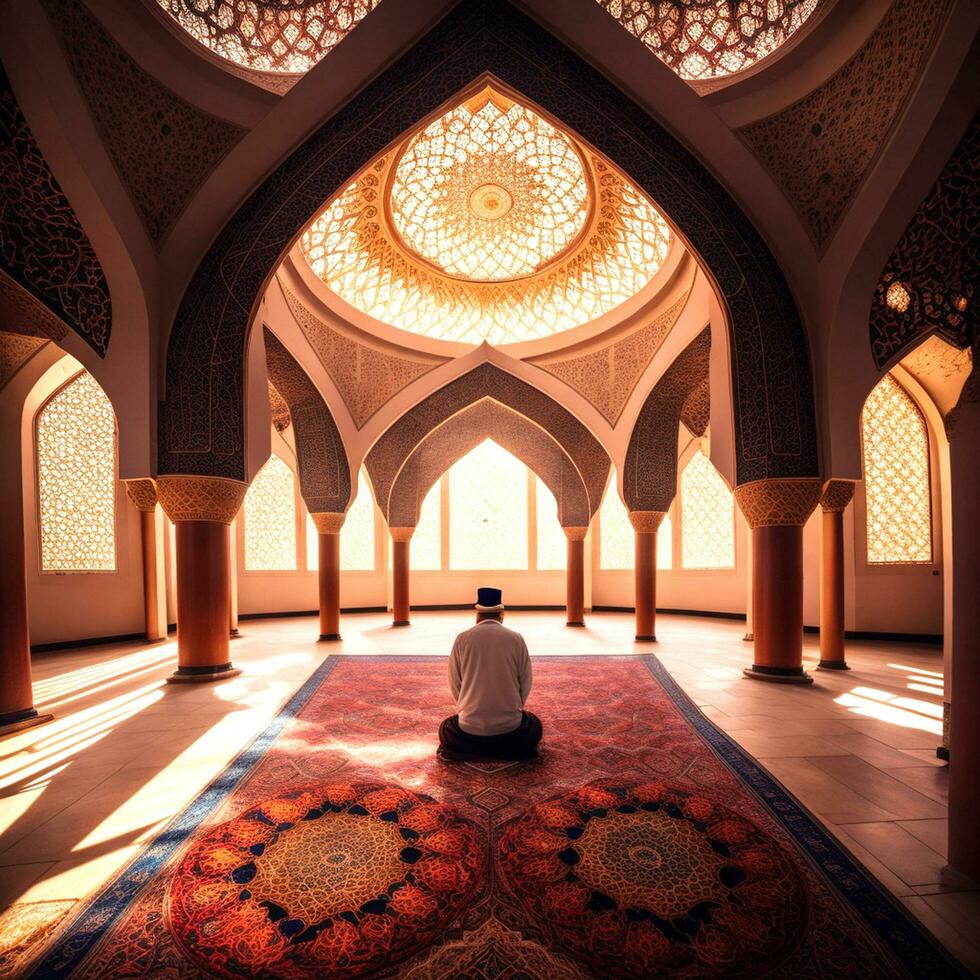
column 643, row 843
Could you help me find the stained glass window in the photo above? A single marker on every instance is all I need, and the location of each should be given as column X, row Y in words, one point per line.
column 711, row 38
column 616, row 539
column 281, row 36
column 896, row 476
column 707, row 516
column 357, row 534
column 552, row 543
column 76, row 475
column 488, row 510
column 425, row 552
column 553, row 238
column 269, row 519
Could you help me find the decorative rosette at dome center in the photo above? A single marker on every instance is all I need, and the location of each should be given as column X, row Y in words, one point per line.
column 489, row 223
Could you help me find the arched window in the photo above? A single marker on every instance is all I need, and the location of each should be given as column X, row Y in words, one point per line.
column 707, row 516
column 76, row 479
column 615, row 531
column 896, row 476
column 269, row 519
column 357, row 534
column 617, row 537
column 488, row 510
column 552, row 543
column 425, row 553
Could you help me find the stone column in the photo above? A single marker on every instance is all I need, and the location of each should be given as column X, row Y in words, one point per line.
column 17, row 709
column 400, row 539
column 575, row 576
column 963, row 429
column 776, row 511
column 143, row 494
column 233, row 579
column 646, row 523
column 328, row 527
column 202, row 508
column 837, row 494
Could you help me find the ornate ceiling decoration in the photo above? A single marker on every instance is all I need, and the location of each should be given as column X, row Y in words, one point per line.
column 706, row 39
column 488, row 224
column 15, row 351
column 288, row 36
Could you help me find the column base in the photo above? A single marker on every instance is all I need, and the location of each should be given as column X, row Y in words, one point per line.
column 579, row 624
column 645, row 639
column 402, row 622
column 942, row 752
column 778, row 675
column 329, row 636
column 17, row 721
column 203, row 675
column 833, row 665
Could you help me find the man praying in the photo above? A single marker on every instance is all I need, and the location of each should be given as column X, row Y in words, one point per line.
column 490, row 679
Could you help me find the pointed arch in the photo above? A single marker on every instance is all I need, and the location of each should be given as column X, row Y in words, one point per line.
column 445, row 445
column 775, row 424
column 390, row 453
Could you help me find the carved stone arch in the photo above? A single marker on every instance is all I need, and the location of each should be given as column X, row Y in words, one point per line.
column 201, row 418
column 50, row 275
column 321, row 460
column 453, row 439
column 396, row 445
column 650, row 471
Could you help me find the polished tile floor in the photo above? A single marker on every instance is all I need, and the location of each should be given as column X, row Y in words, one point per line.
column 81, row 795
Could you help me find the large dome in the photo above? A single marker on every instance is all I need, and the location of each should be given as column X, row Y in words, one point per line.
column 490, row 223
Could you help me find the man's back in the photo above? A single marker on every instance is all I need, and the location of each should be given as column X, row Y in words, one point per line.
column 490, row 678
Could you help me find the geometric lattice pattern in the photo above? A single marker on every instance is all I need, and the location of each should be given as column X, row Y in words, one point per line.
column 488, row 510
column 357, row 534
column 270, row 519
column 269, row 35
column 710, row 38
column 448, row 212
column 552, row 543
column 707, row 516
column 896, row 476
column 493, row 226
column 76, row 479
column 425, row 553
column 617, row 536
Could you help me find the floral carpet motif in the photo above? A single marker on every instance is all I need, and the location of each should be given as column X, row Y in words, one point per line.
column 644, row 841
column 332, row 880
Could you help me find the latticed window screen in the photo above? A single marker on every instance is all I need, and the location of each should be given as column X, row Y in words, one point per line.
column 76, row 470
column 707, row 516
column 312, row 546
column 488, row 510
column 615, row 531
column 425, row 553
column 896, row 476
column 357, row 534
column 281, row 37
column 552, row 543
column 617, row 541
column 269, row 519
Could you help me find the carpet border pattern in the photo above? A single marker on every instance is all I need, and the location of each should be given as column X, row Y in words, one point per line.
column 894, row 926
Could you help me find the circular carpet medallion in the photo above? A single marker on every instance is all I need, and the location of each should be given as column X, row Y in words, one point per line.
column 649, row 879
column 331, row 880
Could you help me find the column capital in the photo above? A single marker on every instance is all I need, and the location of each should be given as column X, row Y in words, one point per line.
column 328, row 522
column 767, row 503
column 143, row 493
column 647, row 521
column 401, row 533
column 575, row 533
column 837, row 494
column 201, row 498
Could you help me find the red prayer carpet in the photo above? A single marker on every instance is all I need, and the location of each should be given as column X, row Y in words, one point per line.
column 642, row 843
